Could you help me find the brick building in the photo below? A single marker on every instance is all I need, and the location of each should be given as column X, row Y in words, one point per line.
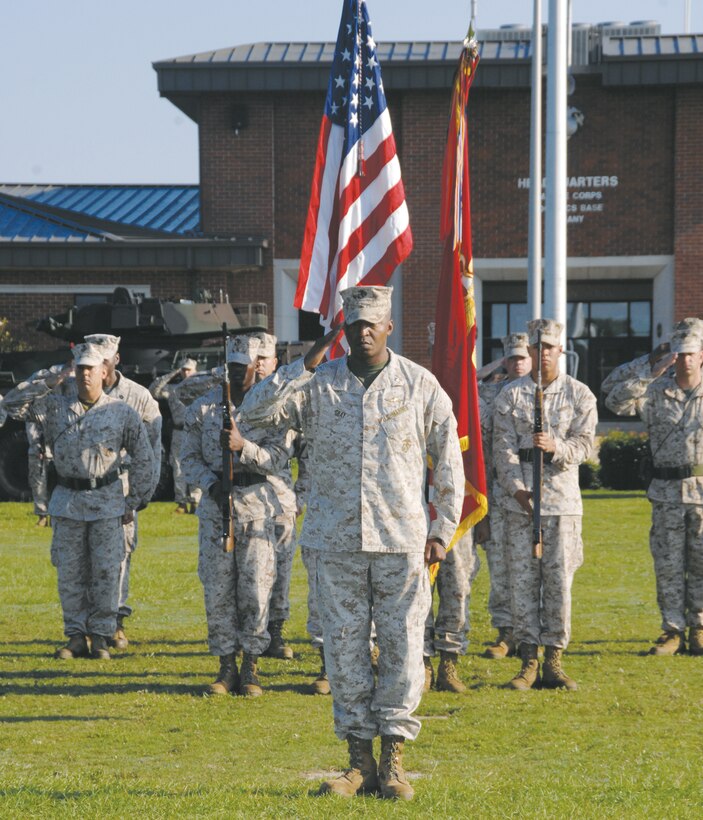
column 635, row 238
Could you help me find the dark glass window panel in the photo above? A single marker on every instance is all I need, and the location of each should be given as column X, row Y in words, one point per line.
column 577, row 320
column 609, row 319
column 640, row 318
column 499, row 320
column 518, row 317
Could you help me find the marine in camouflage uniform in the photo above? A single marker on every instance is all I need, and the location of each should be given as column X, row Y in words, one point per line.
column 671, row 406
column 279, row 609
column 541, row 589
column 237, row 585
column 370, row 420
column 118, row 386
column 490, row 532
column 166, row 388
column 88, row 505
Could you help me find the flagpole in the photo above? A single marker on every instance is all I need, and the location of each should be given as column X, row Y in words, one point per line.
column 555, row 226
column 534, row 238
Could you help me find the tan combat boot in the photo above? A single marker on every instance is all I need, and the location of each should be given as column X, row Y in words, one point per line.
column 181, row 509
column 391, row 775
column 553, row 676
column 278, row 648
column 670, row 642
column 695, row 640
column 528, row 675
column 504, row 647
column 248, row 679
column 119, row 639
column 227, row 678
column 361, row 777
column 77, row 647
column 447, row 678
column 42, row 521
column 321, row 684
column 429, row 673
column 98, row 648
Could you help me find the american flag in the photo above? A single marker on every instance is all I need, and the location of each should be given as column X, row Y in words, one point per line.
column 358, row 228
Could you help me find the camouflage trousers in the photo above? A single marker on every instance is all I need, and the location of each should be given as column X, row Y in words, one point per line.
column 130, row 542
column 676, row 543
column 87, row 556
column 394, row 588
column 37, row 475
column 279, row 608
column 448, row 630
column 237, row 585
column 499, row 598
column 314, row 626
column 541, row 589
column 183, row 492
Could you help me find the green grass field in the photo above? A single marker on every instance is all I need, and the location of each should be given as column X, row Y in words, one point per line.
column 135, row 737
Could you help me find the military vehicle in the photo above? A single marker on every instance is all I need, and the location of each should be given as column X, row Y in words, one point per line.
column 155, row 335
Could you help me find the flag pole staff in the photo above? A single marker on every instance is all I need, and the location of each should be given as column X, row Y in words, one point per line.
column 555, row 225
column 534, row 236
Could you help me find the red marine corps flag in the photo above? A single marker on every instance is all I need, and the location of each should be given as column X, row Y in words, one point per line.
column 454, row 352
column 357, row 230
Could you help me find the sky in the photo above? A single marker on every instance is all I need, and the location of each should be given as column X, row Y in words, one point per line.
column 78, row 96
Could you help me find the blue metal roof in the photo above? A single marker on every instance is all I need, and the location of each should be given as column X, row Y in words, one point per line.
column 19, row 225
column 171, row 209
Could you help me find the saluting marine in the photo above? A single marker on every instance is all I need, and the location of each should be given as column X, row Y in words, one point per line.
column 490, row 531
column 671, row 406
column 370, row 420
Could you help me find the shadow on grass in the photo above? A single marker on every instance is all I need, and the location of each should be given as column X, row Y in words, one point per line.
column 104, row 689
column 60, row 718
column 51, row 674
column 298, row 689
column 618, row 495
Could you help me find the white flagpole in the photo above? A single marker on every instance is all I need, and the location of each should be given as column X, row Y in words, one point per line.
column 555, row 227
column 534, row 237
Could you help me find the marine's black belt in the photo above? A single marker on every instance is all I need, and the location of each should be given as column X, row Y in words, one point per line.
column 244, row 479
column 88, row 483
column 678, row 473
column 527, row 454
column 178, row 426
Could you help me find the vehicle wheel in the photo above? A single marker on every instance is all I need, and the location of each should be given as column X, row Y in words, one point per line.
column 14, row 470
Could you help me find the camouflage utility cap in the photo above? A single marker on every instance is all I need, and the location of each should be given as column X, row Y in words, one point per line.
column 515, row 345
column 88, row 354
column 686, row 341
column 188, row 364
column 690, row 324
column 109, row 345
column 267, row 345
column 551, row 331
column 242, row 349
column 366, row 304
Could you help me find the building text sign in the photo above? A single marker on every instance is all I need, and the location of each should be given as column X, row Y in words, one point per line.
column 586, row 195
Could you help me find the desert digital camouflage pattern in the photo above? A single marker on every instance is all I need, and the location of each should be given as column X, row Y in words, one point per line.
column 237, row 585
column 351, row 432
column 541, row 590
column 345, row 582
column 569, row 417
column 448, row 630
column 674, row 419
